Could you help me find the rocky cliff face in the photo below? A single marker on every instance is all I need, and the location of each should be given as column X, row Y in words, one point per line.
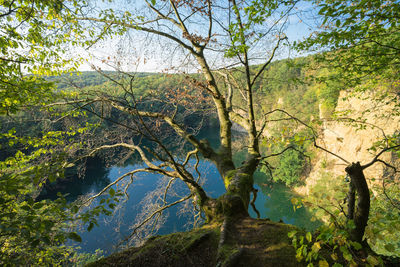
column 362, row 123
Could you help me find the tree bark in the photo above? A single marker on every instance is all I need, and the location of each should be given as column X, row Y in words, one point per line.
column 351, row 201
column 355, row 171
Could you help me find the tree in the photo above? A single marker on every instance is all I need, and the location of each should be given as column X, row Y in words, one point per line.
column 362, row 37
column 27, row 48
column 32, row 44
column 360, row 40
column 236, row 35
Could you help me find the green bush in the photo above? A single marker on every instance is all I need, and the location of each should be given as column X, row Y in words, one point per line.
column 289, row 167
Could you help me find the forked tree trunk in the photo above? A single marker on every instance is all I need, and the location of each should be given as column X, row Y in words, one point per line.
column 235, row 202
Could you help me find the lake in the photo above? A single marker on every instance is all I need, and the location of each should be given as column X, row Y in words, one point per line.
column 273, row 202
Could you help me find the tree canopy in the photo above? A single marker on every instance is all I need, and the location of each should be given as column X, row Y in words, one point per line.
column 363, row 36
column 32, row 44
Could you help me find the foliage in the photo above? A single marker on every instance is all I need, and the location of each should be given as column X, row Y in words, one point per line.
column 287, row 85
column 31, row 230
column 336, row 241
column 382, row 230
column 326, row 199
column 34, row 230
column 82, row 259
column 32, row 42
column 253, row 15
column 362, row 45
column 363, row 35
column 290, row 165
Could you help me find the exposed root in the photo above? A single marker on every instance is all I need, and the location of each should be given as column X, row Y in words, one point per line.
column 223, row 235
column 228, row 255
column 233, row 258
column 253, row 201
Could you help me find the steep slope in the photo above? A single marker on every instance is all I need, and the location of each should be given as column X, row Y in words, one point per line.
column 250, row 242
column 363, row 122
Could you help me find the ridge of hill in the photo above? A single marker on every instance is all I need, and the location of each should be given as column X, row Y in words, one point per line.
column 241, row 242
column 249, row 242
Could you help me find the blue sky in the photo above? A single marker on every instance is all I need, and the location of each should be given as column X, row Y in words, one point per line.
column 150, row 56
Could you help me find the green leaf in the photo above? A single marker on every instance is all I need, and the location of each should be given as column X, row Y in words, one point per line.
column 316, row 247
column 291, row 234
column 38, row 205
column 309, row 237
column 356, row 245
column 74, row 236
column 111, row 192
column 372, row 260
column 26, row 207
column 35, row 243
column 75, row 209
column 90, row 227
column 348, row 256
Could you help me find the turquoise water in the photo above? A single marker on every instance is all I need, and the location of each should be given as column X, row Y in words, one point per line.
column 112, row 230
column 273, row 202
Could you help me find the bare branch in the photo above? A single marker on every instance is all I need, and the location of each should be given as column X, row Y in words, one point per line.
column 279, row 153
column 335, row 221
column 188, row 155
column 114, row 183
column 161, row 14
column 375, row 159
column 177, row 128
column 330, row 152
column 131, row 147
column 268, row 61
column 155, row 213
column 141, row 28
column 315, row 136
column 362, row 122
column 10, row 10
column 397, row 206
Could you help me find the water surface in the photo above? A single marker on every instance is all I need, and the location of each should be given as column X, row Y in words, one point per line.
column 273, row 202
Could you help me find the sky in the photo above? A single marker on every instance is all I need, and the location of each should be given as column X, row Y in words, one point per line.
column 135, row 52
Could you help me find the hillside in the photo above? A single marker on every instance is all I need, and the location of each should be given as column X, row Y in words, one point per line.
column 363, row 122
column 249, row 242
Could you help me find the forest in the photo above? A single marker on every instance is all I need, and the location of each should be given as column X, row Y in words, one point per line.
column 215, row 106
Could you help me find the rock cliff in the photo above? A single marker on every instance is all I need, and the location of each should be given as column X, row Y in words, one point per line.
column 361, row 122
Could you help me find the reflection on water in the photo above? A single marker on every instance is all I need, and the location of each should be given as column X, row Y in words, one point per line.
column 112, row 229
column 96, row 177
column 273, row 202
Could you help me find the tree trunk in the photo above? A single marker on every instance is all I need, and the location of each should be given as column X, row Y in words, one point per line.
column 351, row 201
column 355, row 171
column 239, row 186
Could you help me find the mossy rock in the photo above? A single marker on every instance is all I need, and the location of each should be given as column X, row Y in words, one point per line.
column 194, row 248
